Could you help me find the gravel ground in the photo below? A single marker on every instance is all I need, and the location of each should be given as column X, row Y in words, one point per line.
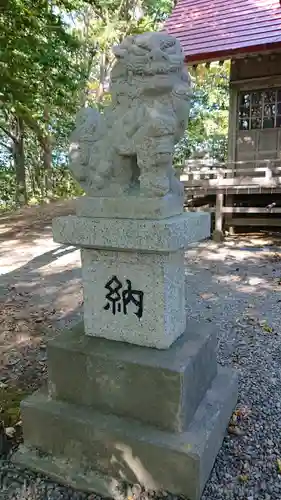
column 236, row 286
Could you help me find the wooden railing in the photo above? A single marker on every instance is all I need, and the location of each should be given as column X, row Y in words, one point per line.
column 205, row 177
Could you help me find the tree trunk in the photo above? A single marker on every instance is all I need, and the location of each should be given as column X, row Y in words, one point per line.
column 47, row 164
column 100, row 90
column 89, row 49
column 19, row 163
column 47, row 156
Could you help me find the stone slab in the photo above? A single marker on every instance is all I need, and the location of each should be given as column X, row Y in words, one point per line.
column 130, row 207
column 82, row 444
column 134, row 297
column 164, row 235
column 161, row 388
column 67, row 472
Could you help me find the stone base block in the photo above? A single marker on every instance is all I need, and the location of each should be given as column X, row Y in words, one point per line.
column 130, row 207
column 94, row 451
column 133, row 274
column 161, row 388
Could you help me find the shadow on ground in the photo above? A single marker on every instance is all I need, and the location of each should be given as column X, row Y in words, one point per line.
column 30, row 223
column 36, row 300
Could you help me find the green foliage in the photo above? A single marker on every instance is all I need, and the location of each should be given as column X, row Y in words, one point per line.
column 10, row 399
column 63, row 184
column 104, row 24
column 40, row 82
column 8, row 187
column 36, row 51
column 208, row 125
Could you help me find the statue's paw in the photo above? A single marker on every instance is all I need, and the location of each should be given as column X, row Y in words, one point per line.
column 155, row 188
column 97, row 181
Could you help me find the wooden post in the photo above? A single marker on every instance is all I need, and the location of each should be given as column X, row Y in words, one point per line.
column 232, row 137
column 218, row 232
column 268, row 172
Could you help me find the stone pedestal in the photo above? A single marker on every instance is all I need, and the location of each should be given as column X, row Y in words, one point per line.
column 133, row 273
column 134, row 394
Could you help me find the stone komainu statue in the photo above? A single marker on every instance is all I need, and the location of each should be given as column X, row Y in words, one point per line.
column 129, row 148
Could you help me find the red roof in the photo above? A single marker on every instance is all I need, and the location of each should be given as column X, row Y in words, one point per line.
column 210, row 29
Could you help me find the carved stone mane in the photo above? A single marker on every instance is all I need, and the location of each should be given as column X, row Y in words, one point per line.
column 129, row 148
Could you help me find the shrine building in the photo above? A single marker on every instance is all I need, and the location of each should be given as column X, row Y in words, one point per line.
column 247, row 32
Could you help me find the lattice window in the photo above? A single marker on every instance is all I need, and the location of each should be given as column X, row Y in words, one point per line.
column 259, row 109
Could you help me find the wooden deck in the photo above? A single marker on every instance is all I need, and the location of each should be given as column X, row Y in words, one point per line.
column 227, row 184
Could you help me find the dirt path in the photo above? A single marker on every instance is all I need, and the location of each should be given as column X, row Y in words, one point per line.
column 40, row 289
column 32, row 265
